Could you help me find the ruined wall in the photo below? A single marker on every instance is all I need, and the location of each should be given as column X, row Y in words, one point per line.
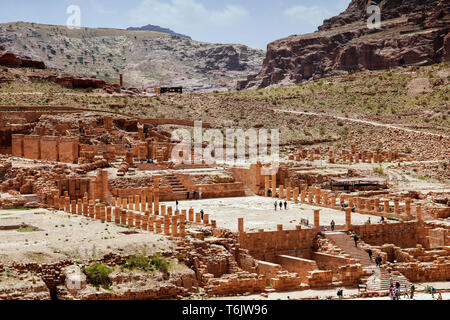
column 268, row 245
column 62, row 149
column 330, row 262
column 298, row 265
column 403, row 234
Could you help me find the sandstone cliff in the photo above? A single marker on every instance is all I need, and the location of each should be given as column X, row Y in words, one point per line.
column 413, row 32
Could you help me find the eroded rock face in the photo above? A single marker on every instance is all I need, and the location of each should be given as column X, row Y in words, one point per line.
column 11, row 60
column 412, row 33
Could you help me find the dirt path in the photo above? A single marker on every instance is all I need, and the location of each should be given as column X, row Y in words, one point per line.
column 373, row 123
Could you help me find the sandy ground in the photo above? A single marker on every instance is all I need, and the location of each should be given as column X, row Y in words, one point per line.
column 348, row 292
column 258, row 213
column 62, row 235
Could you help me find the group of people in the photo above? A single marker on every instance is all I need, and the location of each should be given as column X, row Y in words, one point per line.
column 276, row 204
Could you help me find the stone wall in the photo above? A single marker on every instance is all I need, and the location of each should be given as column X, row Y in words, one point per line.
column 268, row 245
column 62, row 149
column 403, row 234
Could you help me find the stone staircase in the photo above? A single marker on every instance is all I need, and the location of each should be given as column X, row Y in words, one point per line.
column 379, row 280
column 346, row 243
column 175, row 184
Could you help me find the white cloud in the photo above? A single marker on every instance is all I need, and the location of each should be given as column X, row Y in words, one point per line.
column 313, row 16
column 185, row 15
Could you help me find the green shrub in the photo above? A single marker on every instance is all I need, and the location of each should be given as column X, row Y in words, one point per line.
column 98, row 274
column 160, row 263
column 137, row 262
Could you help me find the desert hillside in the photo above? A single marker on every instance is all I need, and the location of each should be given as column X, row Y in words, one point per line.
column 146, row 58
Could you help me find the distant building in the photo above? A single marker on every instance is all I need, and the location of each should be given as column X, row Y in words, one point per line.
column 163, row 90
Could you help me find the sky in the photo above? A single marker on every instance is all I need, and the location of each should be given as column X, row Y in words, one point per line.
column 251, row 22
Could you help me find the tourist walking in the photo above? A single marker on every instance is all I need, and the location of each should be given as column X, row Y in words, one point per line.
column 285, row 205
column 355, row 238
column 176, row 205
column 202, row 213
column 382, row 219
column 275, row 205
column 332, row 224
column 187, row 195
column 369, row 252
column 281, row 205
column 340, row 293
column 413, row 289
column 379, row 260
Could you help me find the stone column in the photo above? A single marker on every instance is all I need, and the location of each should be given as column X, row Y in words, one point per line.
column 396, row 206
column 288, row 193
column 137, row 203
column 156, row 195
column 138, row 221
column 318, row 195
column 303, row 196
column 124, row 203
column 317, row 218
column 213, row 224
column 348, row 217
column 274, row 185
column 183, row 214
column 206, row 218
column 80, row 207
column 85, row 207
column 158, row 226
column 358, row 203
column 169, row 210
column 387, row 208
column 174, row 226
column 67, row 204
column 144, row 225
column 73, row 207
column 123, row 217
column 198, row 217
column 116, row 215
column 191, row 215
column 333, row 201
column 376, row 204
column 151, row 224
column 310, row 196
column 166, row 225
column 91, row 209
column 102, row 212
column 296, row 192
column 144, row 201
column 281, row 192
column 130, row 218
column 108, row 214
column 240, row 225
column 182, row 228
column 150, row 200
column 368, row 205
column 163, row 210
column 408, row 206
column 419, row 212
column 266, row 185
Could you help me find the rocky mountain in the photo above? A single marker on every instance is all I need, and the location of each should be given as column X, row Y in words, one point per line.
column 151, row 27
column 413, row 32
column 147, row 59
